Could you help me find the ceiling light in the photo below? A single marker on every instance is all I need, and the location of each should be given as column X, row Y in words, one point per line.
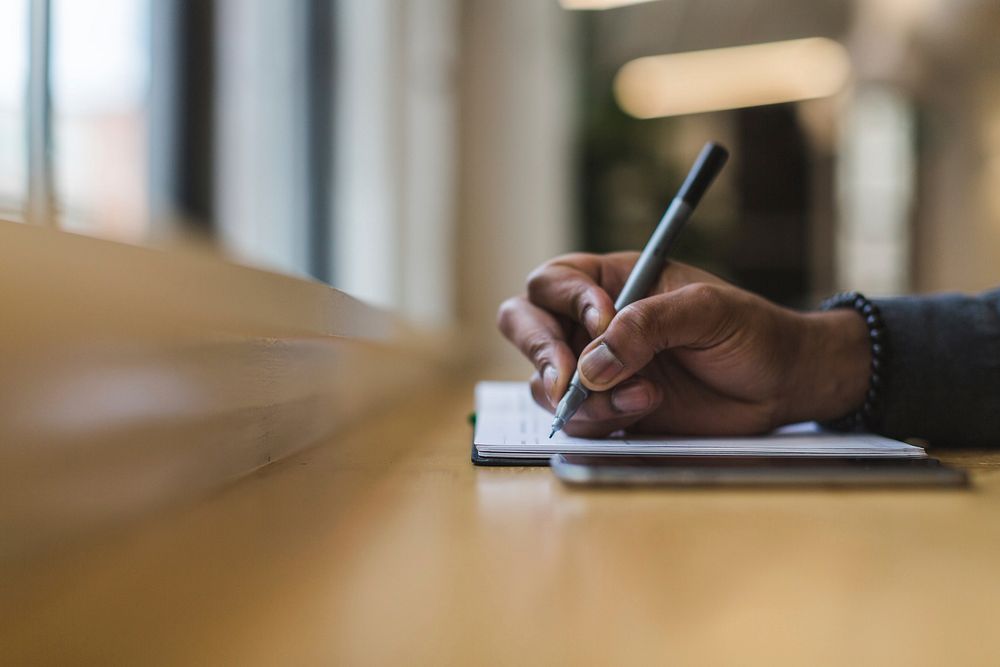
column 732, row 78
column 598, row 4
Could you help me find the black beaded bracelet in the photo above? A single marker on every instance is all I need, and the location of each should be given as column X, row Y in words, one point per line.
column 864, row 417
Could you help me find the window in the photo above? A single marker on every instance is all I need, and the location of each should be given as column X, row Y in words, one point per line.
column 13, row 129
column 100, row 72
column 313, row 138
column 73, row 79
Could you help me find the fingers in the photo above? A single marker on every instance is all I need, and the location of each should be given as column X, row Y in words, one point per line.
column 570, row 286
column 540, row 338
column 606, row 412
column 696, row 315
column 582, row 286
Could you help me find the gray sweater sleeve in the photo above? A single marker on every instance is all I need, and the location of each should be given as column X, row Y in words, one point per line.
column 942, row 376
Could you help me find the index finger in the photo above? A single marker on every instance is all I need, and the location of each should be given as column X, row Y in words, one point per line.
column 539, row 337
column 569, row 286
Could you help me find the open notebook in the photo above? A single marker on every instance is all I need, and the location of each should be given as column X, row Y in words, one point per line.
column 510, row 426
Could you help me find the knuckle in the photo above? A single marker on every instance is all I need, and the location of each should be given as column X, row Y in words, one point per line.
column 536, row 348
column 574, row 258
column 538, row 392
column 506, row 313
column 705, row 294
column 637, row 321
column 580, row 300
column 717, row 306
column 541, row 275
column 537, row 278
column 630, row 256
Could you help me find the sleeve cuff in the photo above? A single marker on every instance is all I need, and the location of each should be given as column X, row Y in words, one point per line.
column 942, row 375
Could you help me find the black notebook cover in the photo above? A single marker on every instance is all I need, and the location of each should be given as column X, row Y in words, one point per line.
column 500, row 461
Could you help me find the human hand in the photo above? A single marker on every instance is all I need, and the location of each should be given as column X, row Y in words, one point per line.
column 697, row 356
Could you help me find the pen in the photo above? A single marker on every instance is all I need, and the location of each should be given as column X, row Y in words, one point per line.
column 654, row 256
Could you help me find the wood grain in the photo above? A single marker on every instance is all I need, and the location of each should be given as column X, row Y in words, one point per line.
column 132, row 378
column 384, row 546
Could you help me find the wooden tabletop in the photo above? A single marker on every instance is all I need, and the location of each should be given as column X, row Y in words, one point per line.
column 385, row 546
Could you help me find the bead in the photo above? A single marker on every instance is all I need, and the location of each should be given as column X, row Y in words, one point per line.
column 877, row 334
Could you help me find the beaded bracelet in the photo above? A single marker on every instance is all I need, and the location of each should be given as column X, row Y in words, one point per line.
column 863, row 417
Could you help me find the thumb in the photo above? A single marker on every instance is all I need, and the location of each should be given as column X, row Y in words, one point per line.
column 696, row 315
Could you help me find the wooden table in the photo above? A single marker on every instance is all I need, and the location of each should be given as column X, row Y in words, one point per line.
column 386, row 546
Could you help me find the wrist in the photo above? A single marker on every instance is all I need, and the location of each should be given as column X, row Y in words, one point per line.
column 832, row 368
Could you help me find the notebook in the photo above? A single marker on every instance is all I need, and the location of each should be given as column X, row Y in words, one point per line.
column 511, row 429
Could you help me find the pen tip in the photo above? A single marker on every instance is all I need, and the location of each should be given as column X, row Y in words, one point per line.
column 552, row 433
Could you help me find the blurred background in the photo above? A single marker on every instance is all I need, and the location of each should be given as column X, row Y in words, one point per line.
column 424, row 155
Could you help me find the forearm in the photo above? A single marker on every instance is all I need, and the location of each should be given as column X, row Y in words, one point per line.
column 940, row 378
column 829, row 368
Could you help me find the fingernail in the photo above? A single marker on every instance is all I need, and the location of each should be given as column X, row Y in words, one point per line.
column 549, row 378
column 632, row 398
column 600, row 365
column 592, row 320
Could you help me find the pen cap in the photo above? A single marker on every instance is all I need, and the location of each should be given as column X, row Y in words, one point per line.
column 708, row 165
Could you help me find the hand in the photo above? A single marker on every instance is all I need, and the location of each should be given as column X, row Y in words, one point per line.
column 698, row 356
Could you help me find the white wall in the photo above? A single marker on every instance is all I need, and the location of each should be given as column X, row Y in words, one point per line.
column 517, row 121
column 394, row 188
column 260, row 140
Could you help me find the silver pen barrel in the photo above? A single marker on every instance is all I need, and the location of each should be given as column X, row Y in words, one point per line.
column 645, row 272
column 653, row 257
column 571, row 401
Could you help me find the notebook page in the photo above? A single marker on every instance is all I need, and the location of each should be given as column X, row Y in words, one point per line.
column 509, row 423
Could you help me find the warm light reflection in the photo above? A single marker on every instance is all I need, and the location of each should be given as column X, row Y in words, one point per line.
column 598, row 4
column 732, row 78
